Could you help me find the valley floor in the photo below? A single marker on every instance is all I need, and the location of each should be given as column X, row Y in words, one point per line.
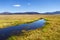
column 51, row 31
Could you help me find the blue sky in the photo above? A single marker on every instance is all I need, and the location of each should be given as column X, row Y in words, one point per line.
column 29, row 5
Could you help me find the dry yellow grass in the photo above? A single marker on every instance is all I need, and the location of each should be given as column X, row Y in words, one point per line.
column 51, row 31
column 9, row 20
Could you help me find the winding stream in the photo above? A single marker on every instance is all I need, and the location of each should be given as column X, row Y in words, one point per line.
column 13, row 30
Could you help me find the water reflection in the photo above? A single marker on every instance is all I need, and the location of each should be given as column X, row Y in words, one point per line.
column 36, row 24
column 14, row 30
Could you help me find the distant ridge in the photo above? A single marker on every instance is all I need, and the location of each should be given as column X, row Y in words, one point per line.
column 56, row 12
column 8, row 13
column 48, row 13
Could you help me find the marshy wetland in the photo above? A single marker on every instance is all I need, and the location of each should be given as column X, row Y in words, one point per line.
column 16, row 30
column 50, row 31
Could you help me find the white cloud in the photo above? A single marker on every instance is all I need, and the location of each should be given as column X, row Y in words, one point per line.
column 16, row 5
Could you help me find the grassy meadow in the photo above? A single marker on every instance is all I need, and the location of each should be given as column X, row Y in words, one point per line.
column 51, row 31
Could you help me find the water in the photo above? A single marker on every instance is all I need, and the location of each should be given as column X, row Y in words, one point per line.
column 36, row 24
column 14, row 30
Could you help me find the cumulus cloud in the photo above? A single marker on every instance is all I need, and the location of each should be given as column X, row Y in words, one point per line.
column 16, row 5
